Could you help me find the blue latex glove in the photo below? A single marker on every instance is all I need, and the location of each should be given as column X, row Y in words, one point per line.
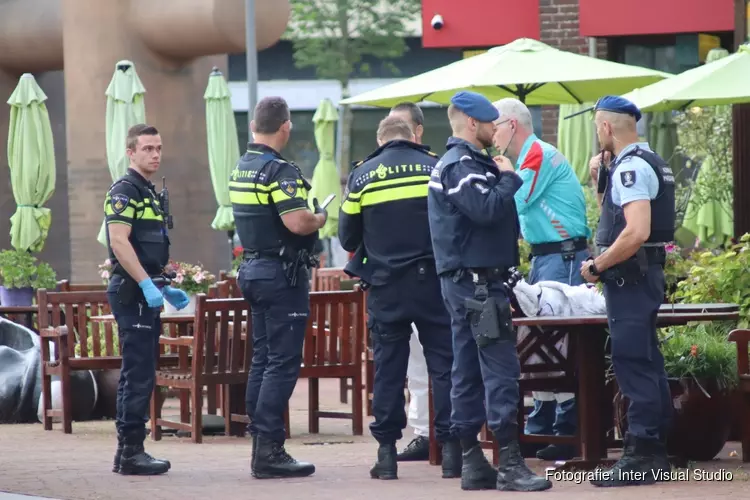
column 152, row 293
column 176, row 297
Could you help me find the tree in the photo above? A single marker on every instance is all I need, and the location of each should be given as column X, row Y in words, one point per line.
column 334, row 36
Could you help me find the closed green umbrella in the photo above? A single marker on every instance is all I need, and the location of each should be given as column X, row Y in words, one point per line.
column 31, row 157
column 326, row 179
column 223, row 146
column 527, row 69
column 125, row 108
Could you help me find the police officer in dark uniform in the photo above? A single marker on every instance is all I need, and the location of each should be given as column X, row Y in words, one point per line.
column 278, row 233
column 138, row 246
column 637, row 221
column 383, row 219
column 475, row 230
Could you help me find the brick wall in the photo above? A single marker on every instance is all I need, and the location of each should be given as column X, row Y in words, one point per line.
column 559, row 28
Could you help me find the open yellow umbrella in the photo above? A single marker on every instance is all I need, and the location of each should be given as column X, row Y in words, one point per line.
column 326, row 179
column 31, row 157
column 125, row 108
column 527, row 69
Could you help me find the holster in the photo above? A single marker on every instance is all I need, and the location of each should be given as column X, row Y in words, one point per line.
column 127, row 292
column 489, row 319
column 632, row 271
column 293, row 260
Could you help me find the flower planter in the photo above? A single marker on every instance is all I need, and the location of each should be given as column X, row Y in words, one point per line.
column 189, row 309
column 701, row 424
column 17, row 297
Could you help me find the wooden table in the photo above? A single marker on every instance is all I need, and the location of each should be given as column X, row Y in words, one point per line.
column 589, row 352
column 175, row 318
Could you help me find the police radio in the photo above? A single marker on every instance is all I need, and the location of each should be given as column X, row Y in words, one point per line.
column 164, row 203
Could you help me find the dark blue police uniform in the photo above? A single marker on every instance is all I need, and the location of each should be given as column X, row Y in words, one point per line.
column 475, row 229
column 132, row 200
column 383, row 219
column 634, row 291
column 274, row 278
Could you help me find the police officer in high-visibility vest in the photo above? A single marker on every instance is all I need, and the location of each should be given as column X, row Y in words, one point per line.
column 278, row 233
column 138, row 245
column 475, row 230
column 637, row 221
column 384, row 218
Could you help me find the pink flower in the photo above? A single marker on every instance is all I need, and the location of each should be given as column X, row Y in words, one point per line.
column 670, row 248
column 107, row 262
column 198, row 277
column 104, row 275
column 179, row 278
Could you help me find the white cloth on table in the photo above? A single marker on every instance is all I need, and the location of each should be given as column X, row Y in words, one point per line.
column 552, row 298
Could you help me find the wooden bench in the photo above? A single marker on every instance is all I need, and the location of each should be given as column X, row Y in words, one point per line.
column 742, row 339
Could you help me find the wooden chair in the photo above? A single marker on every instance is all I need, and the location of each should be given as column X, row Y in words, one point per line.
column 742, row 339
column 67, row 325
column 66, row 286
column 220, row 356
column 333, row 349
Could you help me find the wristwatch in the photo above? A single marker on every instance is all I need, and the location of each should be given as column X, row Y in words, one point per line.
column 592, row 268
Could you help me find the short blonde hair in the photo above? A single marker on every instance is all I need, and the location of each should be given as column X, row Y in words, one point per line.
column 392, row 128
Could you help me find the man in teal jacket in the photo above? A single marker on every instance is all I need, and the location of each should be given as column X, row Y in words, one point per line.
column 552, row 213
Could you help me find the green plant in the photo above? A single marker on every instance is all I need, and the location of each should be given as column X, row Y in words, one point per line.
column 19, row 269
column 677, row 267
column 702, row 352
column 706, row 134
column 191, row 279
column 720, row 276
column 592, row 211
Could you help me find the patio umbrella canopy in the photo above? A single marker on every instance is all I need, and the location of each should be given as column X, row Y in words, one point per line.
column 326, row 178
column 721, row 81
column 223, row 146
column 125, row 108
column 526, row 69
column 31, row 157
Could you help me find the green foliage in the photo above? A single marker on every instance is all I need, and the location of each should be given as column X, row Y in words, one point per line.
column 592, row 211
column 191, row 279
column 677, row 267
column 720, row 277
column 335, row 36
column 19, row 269
column 707, row 133
column 701, row 351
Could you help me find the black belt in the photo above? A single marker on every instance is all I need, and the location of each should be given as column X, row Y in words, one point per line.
column 566, row 246
column 632, row 269
column 259, row 254
column 489, row 274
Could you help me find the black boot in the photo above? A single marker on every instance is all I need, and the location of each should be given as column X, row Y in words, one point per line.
column 452, row 461
column 118, row 455
column 556, row 452
column 417, row 450
column 272, row 461
column 514, row 475
column 476, row 471
column 387, row 465
column 661, row 460
column 136, row 462
column 638, row 465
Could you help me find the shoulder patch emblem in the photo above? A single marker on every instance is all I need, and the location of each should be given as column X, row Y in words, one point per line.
column 289, row 187
column 627, row 178
column 119, row 202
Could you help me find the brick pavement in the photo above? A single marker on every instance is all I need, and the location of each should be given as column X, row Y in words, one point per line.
column 77, row 467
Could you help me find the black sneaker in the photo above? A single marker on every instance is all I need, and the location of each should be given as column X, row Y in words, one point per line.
column 417, row 450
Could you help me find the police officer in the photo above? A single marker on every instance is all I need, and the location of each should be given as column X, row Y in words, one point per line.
column 474, row 227
column 418, row 381
column 552, row 212
column 138, row 247
column 637, row 220
column 384, row 220
column 278, row 233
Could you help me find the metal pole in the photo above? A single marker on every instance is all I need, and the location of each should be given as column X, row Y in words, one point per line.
column 594, row 139
column 251, row 55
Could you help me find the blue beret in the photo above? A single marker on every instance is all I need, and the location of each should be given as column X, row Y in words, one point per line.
column 476, row 106
column 617, row 104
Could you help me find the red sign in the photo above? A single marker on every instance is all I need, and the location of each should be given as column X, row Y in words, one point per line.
column 478, row 23
column 602, row 18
